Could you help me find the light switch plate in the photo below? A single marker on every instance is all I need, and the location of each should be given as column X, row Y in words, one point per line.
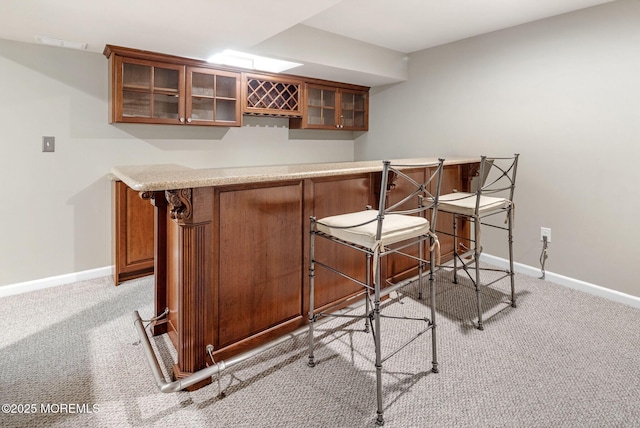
column 48, row 144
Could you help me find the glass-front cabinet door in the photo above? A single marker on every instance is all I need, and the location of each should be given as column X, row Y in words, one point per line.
column 149, row 92
column 322, row 108
column 212, row 97
column 353, row 111
column 335, row 108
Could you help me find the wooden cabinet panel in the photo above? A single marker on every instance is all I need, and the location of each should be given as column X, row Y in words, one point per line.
column 401, row 267
column 133, row 246
column 331, row 197
column 451, row 180
column 260, row 260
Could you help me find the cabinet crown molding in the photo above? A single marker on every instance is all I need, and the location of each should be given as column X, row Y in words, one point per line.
column 110, row 50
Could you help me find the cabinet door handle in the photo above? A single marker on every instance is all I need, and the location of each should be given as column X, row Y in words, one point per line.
column 189, row 120
column 182, row 120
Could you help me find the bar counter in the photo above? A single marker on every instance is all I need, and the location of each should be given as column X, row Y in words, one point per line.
column 231, row 248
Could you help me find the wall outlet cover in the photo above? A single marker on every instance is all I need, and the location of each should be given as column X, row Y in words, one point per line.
column 48, row 144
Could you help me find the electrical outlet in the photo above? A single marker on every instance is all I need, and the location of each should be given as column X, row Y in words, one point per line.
column 48, row 144
column 545, row 231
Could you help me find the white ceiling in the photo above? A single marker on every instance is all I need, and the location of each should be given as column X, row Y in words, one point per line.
column 199, row 28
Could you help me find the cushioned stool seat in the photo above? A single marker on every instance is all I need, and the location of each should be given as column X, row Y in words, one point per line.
column 395, row 227
column 465, row 203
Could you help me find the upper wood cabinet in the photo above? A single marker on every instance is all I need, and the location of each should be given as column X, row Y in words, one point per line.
column 145, row 90
column 149, row 87
column 331, row 107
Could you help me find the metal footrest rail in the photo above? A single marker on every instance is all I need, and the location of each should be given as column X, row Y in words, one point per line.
column 218, row 367
column 200, row 375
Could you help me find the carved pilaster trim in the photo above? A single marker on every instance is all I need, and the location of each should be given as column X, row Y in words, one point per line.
column 180, row 201
column 191, row 310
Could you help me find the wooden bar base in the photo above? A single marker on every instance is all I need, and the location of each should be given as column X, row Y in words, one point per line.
column 231, row 260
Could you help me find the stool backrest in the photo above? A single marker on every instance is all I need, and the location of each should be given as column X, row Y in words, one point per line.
column 402, row 193
column 497, row 176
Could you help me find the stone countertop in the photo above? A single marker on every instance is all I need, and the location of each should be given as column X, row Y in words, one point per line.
column 171, row 176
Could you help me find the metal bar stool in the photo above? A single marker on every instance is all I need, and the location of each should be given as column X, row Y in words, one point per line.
column 394, row 228
column 493, row 194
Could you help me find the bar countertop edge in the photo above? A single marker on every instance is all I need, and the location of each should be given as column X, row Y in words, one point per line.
column 172, row 176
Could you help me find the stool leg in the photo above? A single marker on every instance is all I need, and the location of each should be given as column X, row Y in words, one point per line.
column 432, row 297
column 367, row 303
column 420, row 269
column 311, row 362
column 513, row 293
column 377, row 334
column 455, row 249
column 476, row 250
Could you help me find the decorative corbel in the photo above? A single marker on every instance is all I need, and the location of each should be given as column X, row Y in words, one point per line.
column 147, row 195
column 392, row 176
column 474, row 170
column 180, row 201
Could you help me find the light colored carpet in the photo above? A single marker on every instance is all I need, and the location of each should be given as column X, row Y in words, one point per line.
column 562, row 358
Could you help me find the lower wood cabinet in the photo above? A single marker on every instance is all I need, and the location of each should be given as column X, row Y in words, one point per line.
column 133, row 252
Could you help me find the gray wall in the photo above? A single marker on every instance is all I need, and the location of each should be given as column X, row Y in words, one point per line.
column 56, row 213
column 564, row 93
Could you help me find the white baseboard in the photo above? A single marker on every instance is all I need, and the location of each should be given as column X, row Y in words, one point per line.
column 54, row 281
column 576, row 284
column 607, row 293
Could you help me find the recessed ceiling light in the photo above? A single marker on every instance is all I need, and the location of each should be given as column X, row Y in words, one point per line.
column 255, row 62
column 60, row 43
